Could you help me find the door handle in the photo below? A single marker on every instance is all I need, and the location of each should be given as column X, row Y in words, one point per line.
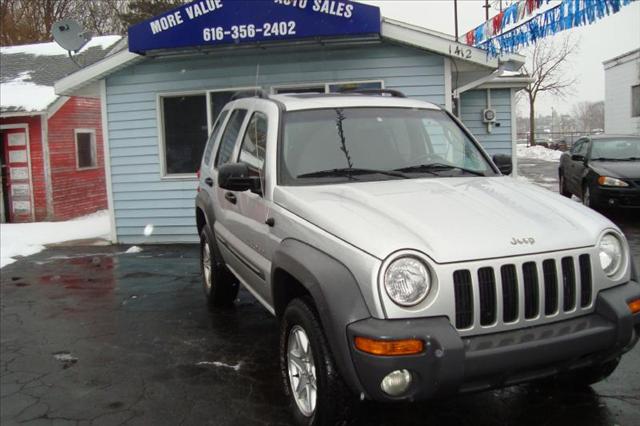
column 231, row 197
column 209, row 181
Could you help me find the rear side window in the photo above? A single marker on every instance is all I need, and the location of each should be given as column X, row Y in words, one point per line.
column 230, row 136
column 214, row 135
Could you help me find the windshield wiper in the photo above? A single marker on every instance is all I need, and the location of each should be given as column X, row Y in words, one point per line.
column 350, row 171
column 607, row 159
column 433, row 167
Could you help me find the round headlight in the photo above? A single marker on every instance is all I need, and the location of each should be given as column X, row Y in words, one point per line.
column 407, row 281
column 610, row 254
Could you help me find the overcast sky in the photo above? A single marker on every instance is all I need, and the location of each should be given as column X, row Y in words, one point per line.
column 603, row 40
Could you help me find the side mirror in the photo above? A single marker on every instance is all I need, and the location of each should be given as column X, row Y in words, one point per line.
column 237, row 177
column 577, row 157
column 504, row 163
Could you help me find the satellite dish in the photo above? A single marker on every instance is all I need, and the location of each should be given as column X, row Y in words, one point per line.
column 70, row 35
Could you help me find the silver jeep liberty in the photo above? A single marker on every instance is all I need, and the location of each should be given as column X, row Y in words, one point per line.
column 399, row 261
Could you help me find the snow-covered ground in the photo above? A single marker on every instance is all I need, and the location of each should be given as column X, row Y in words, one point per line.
column 538, row 153
column 24, row 239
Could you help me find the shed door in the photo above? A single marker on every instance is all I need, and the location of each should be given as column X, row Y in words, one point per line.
column 16, row 188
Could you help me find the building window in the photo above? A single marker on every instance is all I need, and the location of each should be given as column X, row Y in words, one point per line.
column 635, row 101
column 338, row 87
column 346, row 87
column 185, row 131
column 86, row 157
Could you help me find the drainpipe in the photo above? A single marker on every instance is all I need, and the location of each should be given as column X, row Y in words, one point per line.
column 46, row 161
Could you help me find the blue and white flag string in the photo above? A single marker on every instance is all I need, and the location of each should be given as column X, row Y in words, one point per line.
column 568, row 14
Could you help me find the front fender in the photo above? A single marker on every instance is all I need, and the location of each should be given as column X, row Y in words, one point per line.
column 335, row 292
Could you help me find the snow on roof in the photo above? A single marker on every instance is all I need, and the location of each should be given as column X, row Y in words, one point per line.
column 29, row 72
column 53, row 49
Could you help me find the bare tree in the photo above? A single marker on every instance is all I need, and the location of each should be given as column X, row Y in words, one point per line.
column 30, row 21
column 589, row 115
column 547, row 64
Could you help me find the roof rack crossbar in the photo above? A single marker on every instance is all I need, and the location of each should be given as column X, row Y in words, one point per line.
column 379, row 92
column 253, row 93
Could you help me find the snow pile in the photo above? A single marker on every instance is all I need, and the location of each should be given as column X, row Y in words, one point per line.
column 133, row 249
column 25, row 94
column 25, row 239
column 53, row 49
column 538, row 153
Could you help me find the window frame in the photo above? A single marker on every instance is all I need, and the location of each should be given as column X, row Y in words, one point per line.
column 94, row 148
column 281, row 89
column 162, row 153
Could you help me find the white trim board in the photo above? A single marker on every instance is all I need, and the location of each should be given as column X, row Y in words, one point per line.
column 107, row 161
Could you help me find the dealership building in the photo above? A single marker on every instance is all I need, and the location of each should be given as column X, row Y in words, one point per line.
column 161, row 92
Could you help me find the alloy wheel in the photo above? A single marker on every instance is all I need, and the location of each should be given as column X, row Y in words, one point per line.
column 302, row 371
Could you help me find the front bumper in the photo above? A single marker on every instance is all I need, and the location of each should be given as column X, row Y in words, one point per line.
column 452, row 364
column 628, row 198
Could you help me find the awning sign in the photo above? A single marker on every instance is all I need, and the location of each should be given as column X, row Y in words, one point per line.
column 218, row 22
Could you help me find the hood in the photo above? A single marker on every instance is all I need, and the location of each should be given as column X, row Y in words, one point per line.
column 617, row 169
column 449, row 219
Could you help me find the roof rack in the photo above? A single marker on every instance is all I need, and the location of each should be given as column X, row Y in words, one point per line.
column 254, row 93
column 379, row 92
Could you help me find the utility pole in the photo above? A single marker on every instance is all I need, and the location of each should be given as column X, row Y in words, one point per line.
column 455, row 17
column 486, row 9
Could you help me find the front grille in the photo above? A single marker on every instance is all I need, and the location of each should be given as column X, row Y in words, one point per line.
column 569, row 283
column 550, row 287
column 526, row 291
column 464, row 298
column 487, row 286
column 585, row 281
column 509, row 293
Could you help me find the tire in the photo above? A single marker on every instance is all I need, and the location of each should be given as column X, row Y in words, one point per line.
column 219, row 285
column 587, row 376
column 334, row 403
column 563, row 187
column 586, row 196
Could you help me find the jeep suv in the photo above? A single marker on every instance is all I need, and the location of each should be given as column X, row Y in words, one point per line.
column 400, row 262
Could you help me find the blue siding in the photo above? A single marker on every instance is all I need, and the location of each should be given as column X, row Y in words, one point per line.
column 141, row 197
column 472, row 104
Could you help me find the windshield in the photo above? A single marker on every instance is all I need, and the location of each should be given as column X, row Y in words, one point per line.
column 616, row 149
column 357, row 144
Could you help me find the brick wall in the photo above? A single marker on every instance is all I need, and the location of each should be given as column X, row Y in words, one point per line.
column 75, row 192
column 37, row 163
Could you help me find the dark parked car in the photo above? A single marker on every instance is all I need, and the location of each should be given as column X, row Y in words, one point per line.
column 603, row 170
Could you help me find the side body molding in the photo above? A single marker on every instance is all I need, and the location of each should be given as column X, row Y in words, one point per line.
column 335, row 292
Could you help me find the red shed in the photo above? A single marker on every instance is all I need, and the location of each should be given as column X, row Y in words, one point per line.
column 50, row 146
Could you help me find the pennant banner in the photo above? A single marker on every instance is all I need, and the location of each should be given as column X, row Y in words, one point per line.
column 568, row 14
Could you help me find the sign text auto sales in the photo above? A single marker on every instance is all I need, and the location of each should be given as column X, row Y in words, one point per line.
column 248, row 30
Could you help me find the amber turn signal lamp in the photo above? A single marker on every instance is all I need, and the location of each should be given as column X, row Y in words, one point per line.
column 389, row 347
column 635, row 306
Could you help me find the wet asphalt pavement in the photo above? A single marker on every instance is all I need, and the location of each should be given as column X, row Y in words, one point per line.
column 94, row 336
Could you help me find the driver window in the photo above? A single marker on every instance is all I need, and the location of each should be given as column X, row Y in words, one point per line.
column 581, row 148
column 253, row 148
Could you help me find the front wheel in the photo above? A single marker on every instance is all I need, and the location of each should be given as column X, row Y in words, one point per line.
column 219, row 285
column 586, row 196
column 563, row 187
column 317, row 394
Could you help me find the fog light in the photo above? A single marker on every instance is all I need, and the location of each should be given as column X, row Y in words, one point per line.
column 635, row 306
column 396, row 383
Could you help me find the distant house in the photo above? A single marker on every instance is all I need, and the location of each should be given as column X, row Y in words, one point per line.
column 50, row 146
column 622, row 94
